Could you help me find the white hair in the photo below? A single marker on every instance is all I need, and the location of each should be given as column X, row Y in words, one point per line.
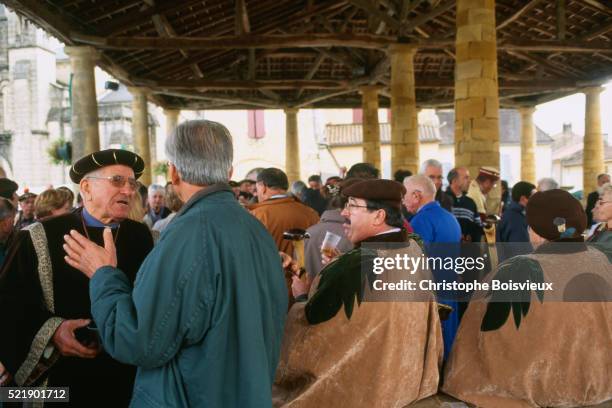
column 605, row 189
column 430, row 163
column 201, row 151
column 154, row 188
column 547, row 183
column 421, row 183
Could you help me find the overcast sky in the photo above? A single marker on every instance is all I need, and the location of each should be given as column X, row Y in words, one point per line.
column 550, row 116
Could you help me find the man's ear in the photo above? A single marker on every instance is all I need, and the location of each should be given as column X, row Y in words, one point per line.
column 381, row 216
column 173, row 174
column 85, row 188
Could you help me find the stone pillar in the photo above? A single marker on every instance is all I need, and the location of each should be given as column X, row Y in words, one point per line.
column 476, row 91
column 172, row 116
column 528, row 145
column 292, row 146
column 370, row 126
column 85, row 134
column 140, row 131
column 593, row 162
column 404, row 119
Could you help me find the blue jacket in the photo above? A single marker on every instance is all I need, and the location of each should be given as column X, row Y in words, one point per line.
column 204, row 321
column 513, row 224
column 434, row 224
column 511, row 234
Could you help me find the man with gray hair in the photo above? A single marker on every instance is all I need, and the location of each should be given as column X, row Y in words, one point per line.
column 204, row 320
column 602, row 179
column 435, row 225
column 547, row 183
column 156, row 208
column 432, row 169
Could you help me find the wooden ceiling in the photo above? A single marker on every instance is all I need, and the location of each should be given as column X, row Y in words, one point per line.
column 236, row 54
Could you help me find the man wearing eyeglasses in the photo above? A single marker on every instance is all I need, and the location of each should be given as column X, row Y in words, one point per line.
column 335, row 338
column 44, row 302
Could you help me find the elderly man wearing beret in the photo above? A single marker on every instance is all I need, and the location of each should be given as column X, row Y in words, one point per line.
column 340, row 349
column 45, row 303
column 546, row 346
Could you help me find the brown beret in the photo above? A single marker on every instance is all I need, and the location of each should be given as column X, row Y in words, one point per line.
column 383, row 191
column 556, row 214
column 103, row 158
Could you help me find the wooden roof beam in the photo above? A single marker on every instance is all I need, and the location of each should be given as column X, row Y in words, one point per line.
column 597, row 32
column 204, row 84
column 255, row 102
column 557, row 46
column 422, row 83
column 526, row 8
column 598, row 6
column 561, row 20
column 372, row 9
column 365, row 41
column 129, row 20
column 311, row 73
column 165, row 29
column 430, row 15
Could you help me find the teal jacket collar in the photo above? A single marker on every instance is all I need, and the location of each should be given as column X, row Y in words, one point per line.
column 205, row 192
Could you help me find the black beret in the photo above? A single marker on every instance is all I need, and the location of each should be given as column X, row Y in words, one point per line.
column 7, row 188
column 27, row 195
column 102, row 158
column 556, row 214
column 383, row 191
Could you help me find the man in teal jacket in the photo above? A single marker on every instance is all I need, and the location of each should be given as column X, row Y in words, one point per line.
column 204, row 320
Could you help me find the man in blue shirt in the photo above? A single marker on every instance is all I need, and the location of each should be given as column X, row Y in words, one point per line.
column 435, row 225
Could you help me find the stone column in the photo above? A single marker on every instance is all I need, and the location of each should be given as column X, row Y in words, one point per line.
column 140, row 131
column 528, row 145
column 292, row 146
column 593, row 161
column 370, row 126
column 172, row 116
column 85, row 133
column 476, row 91
column 404, row 120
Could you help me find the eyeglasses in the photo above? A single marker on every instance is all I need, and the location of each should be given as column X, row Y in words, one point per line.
column 119, row 181
column 348, row 206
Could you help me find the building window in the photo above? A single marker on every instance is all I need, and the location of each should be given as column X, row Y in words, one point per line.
column 257, row 128
column 357, row 115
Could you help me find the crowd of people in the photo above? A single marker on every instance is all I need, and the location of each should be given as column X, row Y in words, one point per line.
column 209, row 292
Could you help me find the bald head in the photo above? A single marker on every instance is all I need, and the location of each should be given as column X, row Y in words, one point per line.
column 420, row 190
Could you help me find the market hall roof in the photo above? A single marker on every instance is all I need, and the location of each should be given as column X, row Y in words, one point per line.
column 226, row 54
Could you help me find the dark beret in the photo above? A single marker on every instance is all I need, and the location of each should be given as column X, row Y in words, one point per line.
column 7, row 188
column 382, row 191
column 27, row 195
column 556, row 214
column 103, row 158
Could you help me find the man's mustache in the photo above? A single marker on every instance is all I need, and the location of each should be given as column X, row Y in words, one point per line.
column 347, row 221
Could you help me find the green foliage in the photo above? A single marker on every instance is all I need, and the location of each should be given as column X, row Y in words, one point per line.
column 160, row 169
column 60, row 152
